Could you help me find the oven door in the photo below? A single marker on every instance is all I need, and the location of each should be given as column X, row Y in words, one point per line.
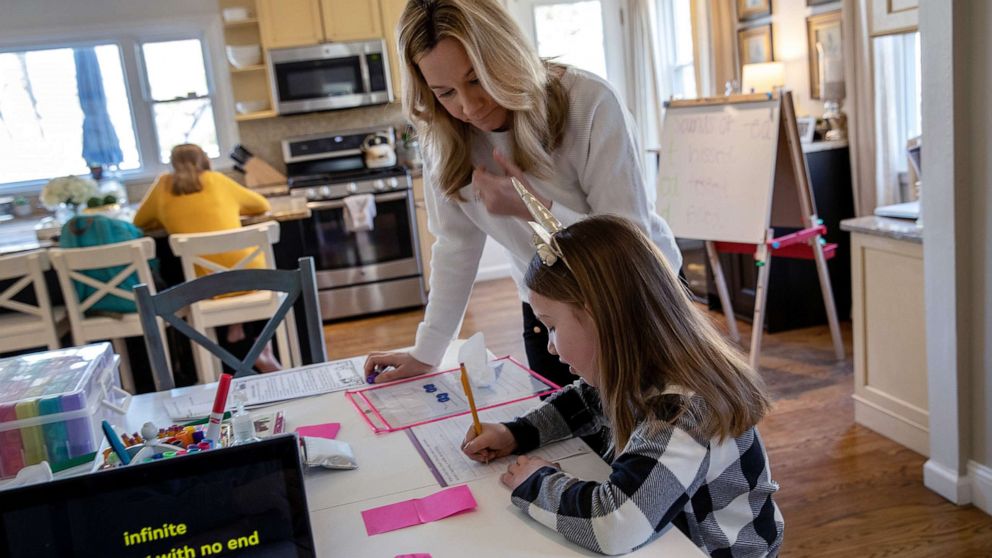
column 344, row 258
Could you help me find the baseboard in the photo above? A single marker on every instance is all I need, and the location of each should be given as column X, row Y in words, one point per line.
column 981, row 486
column 492, row 272
column 891, row 425
column 947, row 482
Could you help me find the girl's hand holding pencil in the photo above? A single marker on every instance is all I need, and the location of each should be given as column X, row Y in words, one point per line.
column 494, row 442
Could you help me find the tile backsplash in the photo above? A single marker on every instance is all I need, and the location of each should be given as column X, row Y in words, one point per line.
column 263, row 137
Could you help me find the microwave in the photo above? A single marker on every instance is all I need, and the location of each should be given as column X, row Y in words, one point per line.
column 330, row 76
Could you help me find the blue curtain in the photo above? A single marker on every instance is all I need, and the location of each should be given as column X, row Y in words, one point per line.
column 100, row 143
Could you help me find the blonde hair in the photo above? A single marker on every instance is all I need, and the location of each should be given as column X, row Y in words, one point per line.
column 507, row 67
column 651, row 337
column 188, row 161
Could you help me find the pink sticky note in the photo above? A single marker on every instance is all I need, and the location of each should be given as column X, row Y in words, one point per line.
column 417, row 555
column 328, row 430
column 419, row 510
column 444, row 503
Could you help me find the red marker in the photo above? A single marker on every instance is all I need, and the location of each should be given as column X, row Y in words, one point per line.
column 217, row 415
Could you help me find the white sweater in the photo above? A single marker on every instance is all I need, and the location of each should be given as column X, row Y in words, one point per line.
column 596, row 171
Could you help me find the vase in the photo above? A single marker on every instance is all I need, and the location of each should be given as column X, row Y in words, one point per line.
column 66, row 211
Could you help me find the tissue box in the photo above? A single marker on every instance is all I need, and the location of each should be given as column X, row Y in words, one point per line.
column 52, row 405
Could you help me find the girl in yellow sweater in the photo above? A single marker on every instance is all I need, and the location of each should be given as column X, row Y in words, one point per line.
column 195, row 199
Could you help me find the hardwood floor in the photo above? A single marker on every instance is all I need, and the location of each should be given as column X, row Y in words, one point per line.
column 845, row 491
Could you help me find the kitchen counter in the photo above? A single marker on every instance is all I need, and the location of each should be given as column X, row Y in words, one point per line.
column 20, row 234
column 896, row 229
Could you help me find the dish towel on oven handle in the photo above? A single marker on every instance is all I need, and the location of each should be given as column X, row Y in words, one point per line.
column 359, row 212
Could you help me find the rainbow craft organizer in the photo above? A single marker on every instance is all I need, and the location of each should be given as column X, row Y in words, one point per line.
column 52, row 404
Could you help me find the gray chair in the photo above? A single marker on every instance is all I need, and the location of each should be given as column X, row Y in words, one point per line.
column 299, row 283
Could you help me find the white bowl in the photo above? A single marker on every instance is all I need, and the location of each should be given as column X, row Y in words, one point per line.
column 244, row 56
column 235, row 14
column 245, row 107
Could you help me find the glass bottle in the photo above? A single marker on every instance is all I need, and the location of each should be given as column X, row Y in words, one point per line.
column 242, row 424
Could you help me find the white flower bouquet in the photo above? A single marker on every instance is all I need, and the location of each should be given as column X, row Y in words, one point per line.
column 71, row 190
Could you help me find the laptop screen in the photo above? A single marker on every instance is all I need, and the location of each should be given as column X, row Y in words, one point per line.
column 242, row 501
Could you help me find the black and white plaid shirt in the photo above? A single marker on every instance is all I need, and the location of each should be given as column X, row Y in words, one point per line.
column 718, row 494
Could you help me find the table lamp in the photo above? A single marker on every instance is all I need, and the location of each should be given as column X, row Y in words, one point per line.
column 762, row 77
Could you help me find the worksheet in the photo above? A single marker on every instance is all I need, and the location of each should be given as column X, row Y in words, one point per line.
column 433, row 397
column 440, row 444
column 263, row 389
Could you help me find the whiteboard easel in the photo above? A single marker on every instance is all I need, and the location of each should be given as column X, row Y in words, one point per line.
column 730, row 169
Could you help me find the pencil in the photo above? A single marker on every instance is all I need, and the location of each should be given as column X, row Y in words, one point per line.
column 467, row 386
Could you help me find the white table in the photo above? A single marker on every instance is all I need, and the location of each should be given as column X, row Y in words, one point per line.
column 390, row 470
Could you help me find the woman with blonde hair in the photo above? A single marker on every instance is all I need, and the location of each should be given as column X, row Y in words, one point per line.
column 487, row 108
column 677, row 403
column 194, row 199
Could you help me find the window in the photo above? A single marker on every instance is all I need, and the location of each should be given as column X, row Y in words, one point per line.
column 572, row 33
column 898, row 88
column 583, row 33
column 675, row 36
column 134, row 98
column 180, row 96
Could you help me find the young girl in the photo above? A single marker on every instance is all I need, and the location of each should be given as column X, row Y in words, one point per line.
column 195, row 199
column 487, row 108
column 678, row 403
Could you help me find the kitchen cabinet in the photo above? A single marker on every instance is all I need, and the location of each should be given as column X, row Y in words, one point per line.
column 249, row 84
column 890, row 360
column 350, row 20
column 794, row 297
column 426, row 238
column 289, row 23
column 390, row 11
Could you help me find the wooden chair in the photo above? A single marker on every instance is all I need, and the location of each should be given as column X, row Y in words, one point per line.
column 69, row 263
column 292, row 284
column 206, row 315
column 28, row 326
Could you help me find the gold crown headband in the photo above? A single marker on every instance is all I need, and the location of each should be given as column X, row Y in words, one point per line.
column 544, row 225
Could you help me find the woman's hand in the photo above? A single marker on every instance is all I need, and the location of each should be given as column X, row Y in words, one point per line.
column 400, row 365
column 495, row 441
column 521, row 469
column 498, row 193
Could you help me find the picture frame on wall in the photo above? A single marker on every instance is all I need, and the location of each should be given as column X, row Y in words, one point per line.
column 807, row 128
column 751, row 9
column 754, row 44
column 824, row 30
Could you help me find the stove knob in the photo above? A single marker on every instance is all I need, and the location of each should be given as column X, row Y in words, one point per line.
column 394, row 183
column 353, row 187
column 325, row 192
column 311, row 193
column 379, row 185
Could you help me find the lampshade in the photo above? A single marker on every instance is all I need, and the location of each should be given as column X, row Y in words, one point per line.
column 762, row 77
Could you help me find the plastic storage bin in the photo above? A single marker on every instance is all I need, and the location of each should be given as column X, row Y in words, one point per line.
column 52, row 405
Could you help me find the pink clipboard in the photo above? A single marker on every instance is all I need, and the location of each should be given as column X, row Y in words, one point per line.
column 372, row 402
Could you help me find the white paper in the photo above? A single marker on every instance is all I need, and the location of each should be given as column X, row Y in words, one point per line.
column 441, row 443
column 473, row 355
column 263, row 389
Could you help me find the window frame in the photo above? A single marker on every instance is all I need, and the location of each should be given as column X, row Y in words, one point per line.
column 210, row 34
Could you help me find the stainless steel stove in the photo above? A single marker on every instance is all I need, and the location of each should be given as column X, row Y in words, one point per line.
column 358, row 272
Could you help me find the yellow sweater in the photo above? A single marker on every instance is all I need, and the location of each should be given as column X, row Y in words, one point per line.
column 217, row 207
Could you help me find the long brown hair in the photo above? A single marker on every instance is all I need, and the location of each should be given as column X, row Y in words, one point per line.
column 651, row 337
column 188, row 161
column 508, row 68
